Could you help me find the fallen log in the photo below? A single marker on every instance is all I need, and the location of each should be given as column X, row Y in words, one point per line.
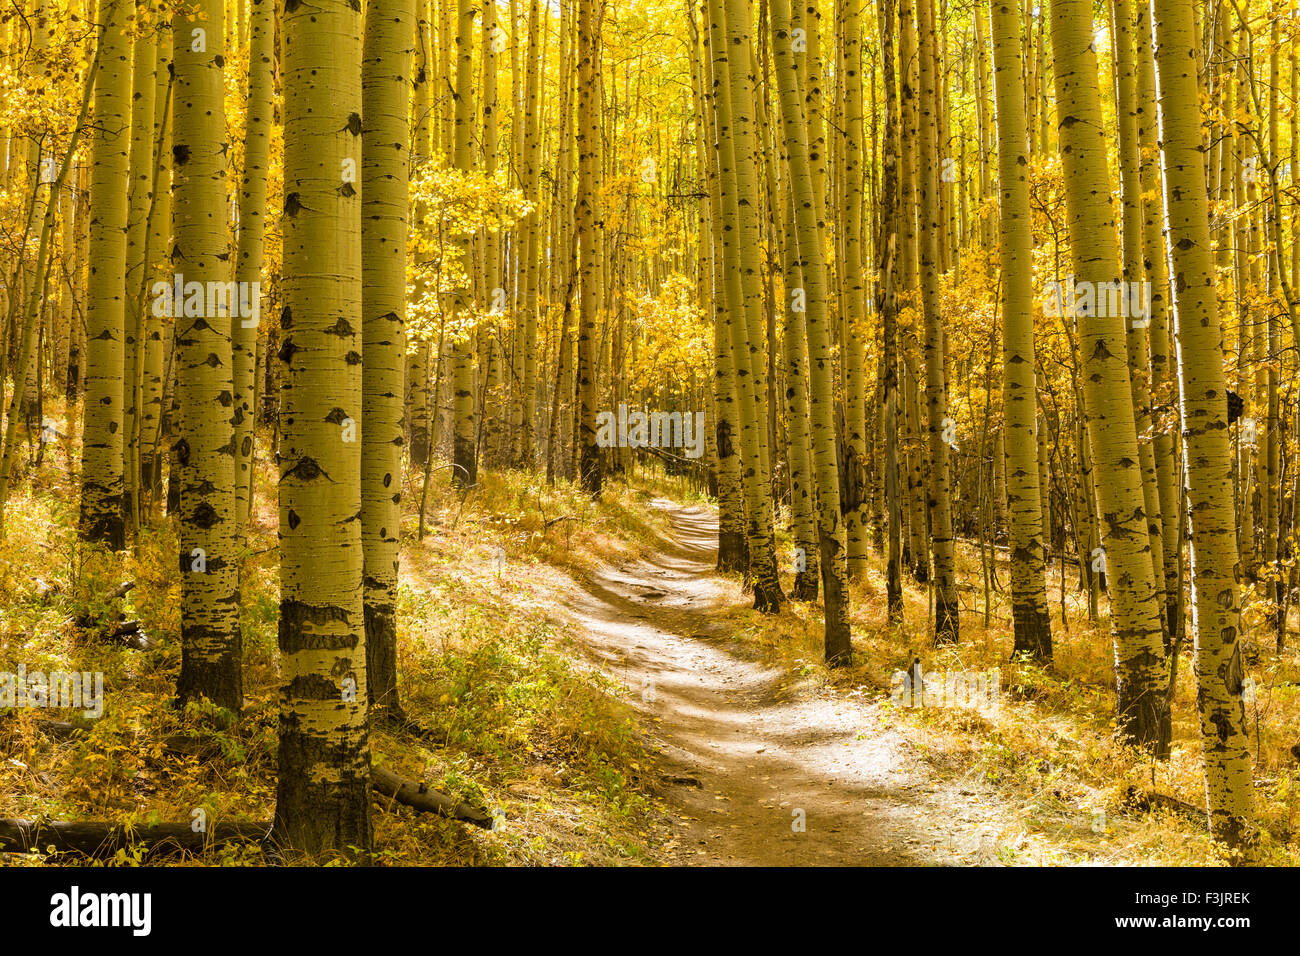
column 99, row 839
column 56, row 729
column 418, row 796
column 1146, row 802
column 129, row 633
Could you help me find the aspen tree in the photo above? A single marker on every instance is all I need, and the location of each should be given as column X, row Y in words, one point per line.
column 418, row 429
column 1141, row 677
column 588, row 217
column 38, row 154
column 1215, row 570
column 205, row 451
column 732, row 549
column 1033, row 634
column 385, row 170
column 323, row 794
column 1138, row 319
column 938, row 425
column 139, row 208
column 888, row 252
column 910, row 285
column 494, row 294
column 816, row 322
column 158, row 359
column 803, row 491
column 762, row 555
column 101, row 466
column 464, row 444
column 853, row 346
column 1163, row 388
column 742, row 127
column 252, row 230
column 525, row 363
column 29, row 307
column 795, row 353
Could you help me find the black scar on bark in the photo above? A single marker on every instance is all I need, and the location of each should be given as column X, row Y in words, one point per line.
column 1236, row 405
column 205, row 516
column 312, row 687
column 295, row 614
column 181, row 154
column 305, row 470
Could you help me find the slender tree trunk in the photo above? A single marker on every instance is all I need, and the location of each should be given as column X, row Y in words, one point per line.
column 385, row 169
column 1215, row 590
column 588, row 216
column 853, row 346
column 816, row 321
column 323, row 794
column 733, row 553
column 252, row 229
column 887, row 249
column 139, row 205
column 938, row 425
column 101, row 465
column 464, row 444
column 1136, row 609
column 211, row 648
column 1032, row 624
column 1138, row 314
column 1163, row 387
column 732, row 161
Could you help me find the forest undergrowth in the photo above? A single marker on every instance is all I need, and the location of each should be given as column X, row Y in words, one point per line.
column 519, row 722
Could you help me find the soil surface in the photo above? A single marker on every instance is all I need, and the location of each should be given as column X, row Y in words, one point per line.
column 759, row 767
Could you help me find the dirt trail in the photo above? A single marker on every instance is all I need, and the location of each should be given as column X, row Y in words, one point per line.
column 745, row 748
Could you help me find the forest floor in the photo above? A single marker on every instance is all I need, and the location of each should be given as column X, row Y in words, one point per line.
column 764, row 769
column 772, row 765
column 583, row 673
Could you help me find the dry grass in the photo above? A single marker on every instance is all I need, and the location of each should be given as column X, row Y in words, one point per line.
column 1049, row 747
column 516, row 721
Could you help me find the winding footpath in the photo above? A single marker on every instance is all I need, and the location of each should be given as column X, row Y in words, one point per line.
column 762, row 768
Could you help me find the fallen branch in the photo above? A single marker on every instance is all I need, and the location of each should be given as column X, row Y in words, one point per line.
column 674, row 459
column 100, row 839
column 419, row 797
column 128, row 633
column 57, row 729
column 1151, row 801
column 120, row 591
column 86, row 620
